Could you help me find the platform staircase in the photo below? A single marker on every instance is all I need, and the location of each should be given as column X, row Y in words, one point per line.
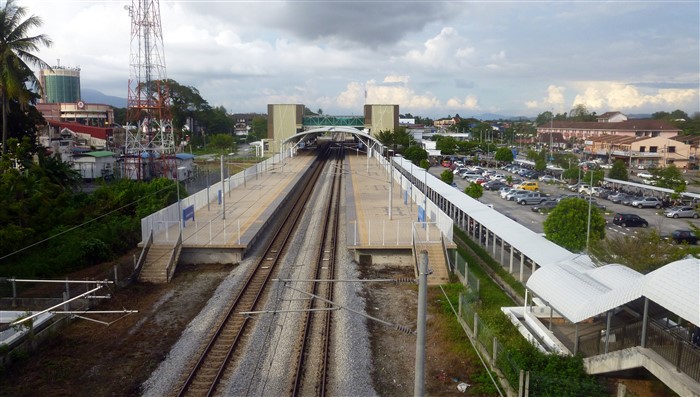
column 159, row 265
column 437, row 261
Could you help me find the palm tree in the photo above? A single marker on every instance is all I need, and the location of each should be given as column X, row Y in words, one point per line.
column 15, row 52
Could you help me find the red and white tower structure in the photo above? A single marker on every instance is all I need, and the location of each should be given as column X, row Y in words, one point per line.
column 150, row 140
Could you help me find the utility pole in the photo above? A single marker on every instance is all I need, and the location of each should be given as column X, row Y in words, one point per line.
column 419, row 383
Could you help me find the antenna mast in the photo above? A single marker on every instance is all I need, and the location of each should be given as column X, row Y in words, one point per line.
column 150, row 141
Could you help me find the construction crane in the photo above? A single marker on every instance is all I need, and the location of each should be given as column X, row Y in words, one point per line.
column 149, row 150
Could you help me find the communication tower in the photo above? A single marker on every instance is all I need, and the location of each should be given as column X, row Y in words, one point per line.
column 150, row 142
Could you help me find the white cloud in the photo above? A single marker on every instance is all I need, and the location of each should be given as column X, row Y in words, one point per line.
column 446, row 49
column 620, row 96
column 553, row 101
column 470, row 103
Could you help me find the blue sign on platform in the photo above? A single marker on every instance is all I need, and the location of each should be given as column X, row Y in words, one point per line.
column 421, row 214
column 187, row 213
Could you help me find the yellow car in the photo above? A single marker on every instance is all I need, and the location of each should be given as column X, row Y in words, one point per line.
column 528, row 186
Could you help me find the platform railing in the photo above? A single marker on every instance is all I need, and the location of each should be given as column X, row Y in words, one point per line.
column 379, row 233
column 676, row 350
column 212, row 232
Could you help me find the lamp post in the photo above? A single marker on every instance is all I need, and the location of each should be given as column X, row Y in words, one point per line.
column 590, row 199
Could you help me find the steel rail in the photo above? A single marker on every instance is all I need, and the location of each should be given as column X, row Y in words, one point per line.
column 211, row 364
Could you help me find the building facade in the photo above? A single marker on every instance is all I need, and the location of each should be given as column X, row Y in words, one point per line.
column 582, row 130
column 60, row 84
column 643, row 152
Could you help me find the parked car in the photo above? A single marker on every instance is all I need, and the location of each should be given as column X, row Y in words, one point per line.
column 511, row 194
column 595, row 203
column 545, row 206
column 604, row 193
column 630, row 199
column 548, row 179
column 618, row 198
column 574, row 187
column 494, row 185
column 563, row 196
column 682, row 212
column 529, row 198
column 682, row 236
column 528, row 186
column 471, row 175
column 590, row 190
column 629, row 220
column 647, row 202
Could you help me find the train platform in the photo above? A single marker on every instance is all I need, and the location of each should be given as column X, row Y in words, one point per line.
column 234, row 222
column 382, row 217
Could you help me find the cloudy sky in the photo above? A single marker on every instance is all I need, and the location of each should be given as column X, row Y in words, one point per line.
column 433, row 58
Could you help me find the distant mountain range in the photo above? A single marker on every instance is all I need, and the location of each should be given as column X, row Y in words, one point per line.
column 93, row 96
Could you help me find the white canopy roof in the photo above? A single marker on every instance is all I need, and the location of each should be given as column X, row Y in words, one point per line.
column 579, row 294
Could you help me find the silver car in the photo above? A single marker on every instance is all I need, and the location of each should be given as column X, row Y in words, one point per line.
column 682, row 212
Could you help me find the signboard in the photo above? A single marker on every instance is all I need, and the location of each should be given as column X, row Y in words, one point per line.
column 187, row 213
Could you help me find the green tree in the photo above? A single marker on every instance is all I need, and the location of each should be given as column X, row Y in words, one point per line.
column 596, row 176
column 446, row 145
column 258, row 129
column 567, row 224
column 619, row 171
column 425, row 164
column 447, row 176
column 544, row 118
column 669, row 177
column 16, row 47
column 474, row 190
column 223, row 142
column 581, row 113
column 504, row 155
column 186, row 102
column 415, row 154
column 385, row 137
column 572, row 173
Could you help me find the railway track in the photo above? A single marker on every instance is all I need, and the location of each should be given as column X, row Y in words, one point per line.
column 315, row 338
column 207, row 372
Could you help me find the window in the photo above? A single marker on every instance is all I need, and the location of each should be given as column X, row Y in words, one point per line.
column 653, row 149
column 672, row 149
column 642, row 149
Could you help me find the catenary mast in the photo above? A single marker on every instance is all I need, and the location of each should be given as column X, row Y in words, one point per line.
column 150, row 141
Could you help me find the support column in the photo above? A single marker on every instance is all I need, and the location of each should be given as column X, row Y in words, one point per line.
column 645, row 321
column 510, row 266
column 607, row 330
column 522, row 267
column 419, row 384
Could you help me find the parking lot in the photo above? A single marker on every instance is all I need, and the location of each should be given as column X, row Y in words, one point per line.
column 533, row 220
